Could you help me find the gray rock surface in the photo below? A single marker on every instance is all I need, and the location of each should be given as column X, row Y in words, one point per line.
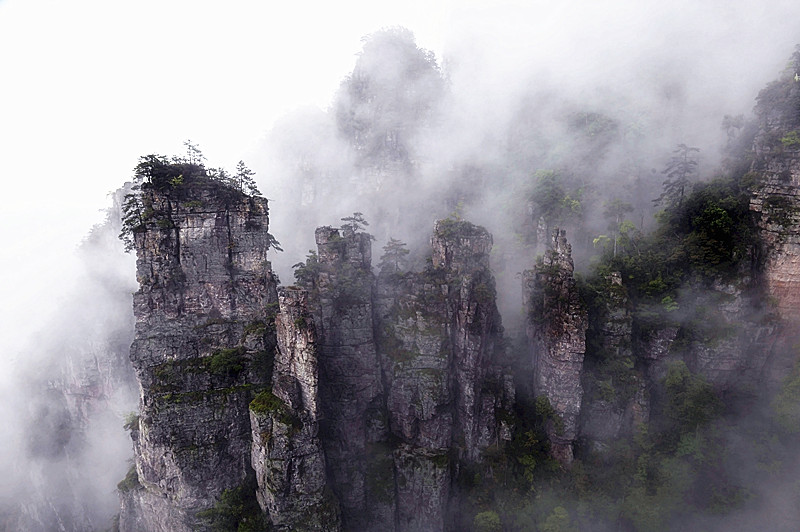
column 556, row 330
column 286, row 453
column 352, row 404
column 201, row 350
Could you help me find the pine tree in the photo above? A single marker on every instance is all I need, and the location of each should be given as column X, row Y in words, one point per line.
column 394, row 253
column 193, row 153
column 680, row 170
column 244, row 180
column 354, row 223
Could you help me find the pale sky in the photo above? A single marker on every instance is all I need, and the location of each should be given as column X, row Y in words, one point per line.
column 87, row 86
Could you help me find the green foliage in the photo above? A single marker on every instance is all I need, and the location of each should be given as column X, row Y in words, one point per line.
column 227, row 362
column 256, row 328
column 176, row 175
column 529, row 449
column 556, row 199
column 354, row 223
column 558, row 521
column 244, row 180
column 268, row 403
column 134, row 216
column 487, row 521
column 691, row 401
column 237, row 510
column 272, row 243
column 670, row 305
column 305, row 273
column 453, row 227
column 680, row 171
column 131, row 480
column 131, row 421
column 786, row 404
column 193, row 153
column 710, row 235
column 614, row 212
column 394, row 253
column 791, row 140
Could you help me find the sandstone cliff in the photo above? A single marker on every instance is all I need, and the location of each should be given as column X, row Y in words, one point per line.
column 286, row 452
column 556, row 330
column 411, row 374
column 202, row 348
column 776, row 200
column 350, row 383
column 440, row 343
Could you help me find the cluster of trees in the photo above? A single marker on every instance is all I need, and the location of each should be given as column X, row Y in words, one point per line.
column 178, row 173
column 681, row 466
column 164, row 173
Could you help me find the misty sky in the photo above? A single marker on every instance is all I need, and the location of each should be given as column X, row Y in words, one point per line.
column 89, row 85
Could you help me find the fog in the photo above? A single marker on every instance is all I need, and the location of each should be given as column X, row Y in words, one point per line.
column 497, row 92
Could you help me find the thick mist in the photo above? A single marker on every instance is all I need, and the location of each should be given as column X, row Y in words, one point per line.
column 597, row 93
column 594, row 101
column 66, row 395
column 600, row 94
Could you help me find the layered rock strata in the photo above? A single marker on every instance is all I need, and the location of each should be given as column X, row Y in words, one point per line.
column 556, row 330
column 202, row 348
column 411, row 375
column 776, row 201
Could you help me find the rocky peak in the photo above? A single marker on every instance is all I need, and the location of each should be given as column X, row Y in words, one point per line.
column 350, row 380
column 203, row 344
column 460, row 246
column 556, row 330
column 336, row 245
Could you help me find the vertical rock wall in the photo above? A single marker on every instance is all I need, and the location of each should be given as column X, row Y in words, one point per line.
column 776, row 201
column 439, row 334
column 482, row 386
column 286, row 453
column 350, row 381
column 201, row 348
column 618, row 398
column 556, row 330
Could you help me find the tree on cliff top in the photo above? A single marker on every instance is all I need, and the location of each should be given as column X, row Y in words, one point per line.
column 244, row 180
column 158, row 172
column 354, row 223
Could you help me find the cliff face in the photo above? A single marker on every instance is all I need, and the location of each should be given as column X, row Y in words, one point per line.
column 556, row 330
column 350, row 383
column 776, row 201
column 351, row 404
column 411, row 379
column 618, row 394
column 446, row 385
column 202, row 347
column 286, row 453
